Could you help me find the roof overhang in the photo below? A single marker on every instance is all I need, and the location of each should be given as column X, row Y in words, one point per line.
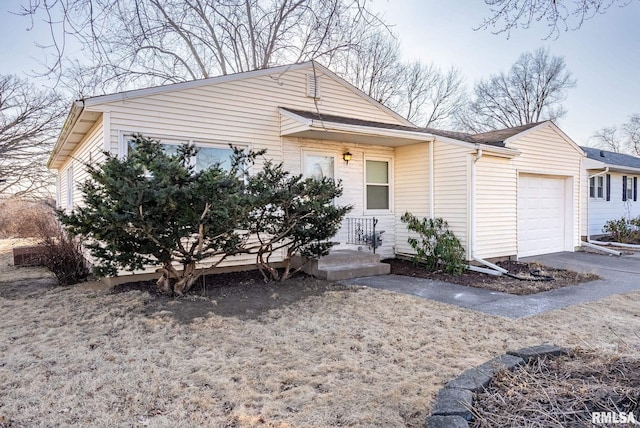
column 79, row 121
column 503, row 152
column 351, row 133
column 592, row 164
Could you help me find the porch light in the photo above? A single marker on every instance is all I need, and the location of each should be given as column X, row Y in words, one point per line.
column 347, row 157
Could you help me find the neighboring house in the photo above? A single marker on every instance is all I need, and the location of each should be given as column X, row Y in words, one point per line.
column 612, row 190
column 506, row 193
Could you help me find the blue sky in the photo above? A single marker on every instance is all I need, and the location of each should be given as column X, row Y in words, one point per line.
column 604, row 55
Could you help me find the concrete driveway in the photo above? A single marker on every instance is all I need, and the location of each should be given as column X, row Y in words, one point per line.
column 619, row 275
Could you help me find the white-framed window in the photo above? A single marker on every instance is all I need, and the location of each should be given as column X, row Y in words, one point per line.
column 378, row 184
column 208, row 153
column 596, row 187
column 318, row 165
column 70, row 187
column 629, row 188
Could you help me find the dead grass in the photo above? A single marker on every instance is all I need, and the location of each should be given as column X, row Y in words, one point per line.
column 10, row 273
column 357, row 357
column 560, row 391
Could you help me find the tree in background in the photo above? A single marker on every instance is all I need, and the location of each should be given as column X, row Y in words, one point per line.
column 559, row 15
column 163, row 41
column 29, row 121
column 620, row 139
column 293, row 214
column 153, row 209
column 134, row 44
column 532, row 91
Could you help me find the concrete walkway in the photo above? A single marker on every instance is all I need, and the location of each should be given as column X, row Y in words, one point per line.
column 619, row 275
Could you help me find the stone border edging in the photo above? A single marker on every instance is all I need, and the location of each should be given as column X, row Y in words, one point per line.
column 452, row 408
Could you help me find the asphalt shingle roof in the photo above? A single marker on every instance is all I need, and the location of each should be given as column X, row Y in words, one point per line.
column 612, row 158
column 349, row 120
column 494, row 138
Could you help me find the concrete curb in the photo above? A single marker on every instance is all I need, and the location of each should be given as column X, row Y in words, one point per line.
column 454, row 402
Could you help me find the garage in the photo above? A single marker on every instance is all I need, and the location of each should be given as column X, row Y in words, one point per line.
column 541, row 214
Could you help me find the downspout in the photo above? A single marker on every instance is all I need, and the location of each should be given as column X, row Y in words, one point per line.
column 432, row 186
column 594, row 244
column 493, row 269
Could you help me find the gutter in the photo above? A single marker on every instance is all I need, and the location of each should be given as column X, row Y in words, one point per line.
column 77, row 107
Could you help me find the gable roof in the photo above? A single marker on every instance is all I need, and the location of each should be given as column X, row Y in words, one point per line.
column 492, row 138
column 612, row 158
column 81, row 112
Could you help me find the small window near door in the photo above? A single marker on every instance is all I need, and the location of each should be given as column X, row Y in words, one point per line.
column 377, row 182
column 596, row 187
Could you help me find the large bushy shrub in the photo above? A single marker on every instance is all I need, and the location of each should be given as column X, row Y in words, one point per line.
column 154, row 209
column 292, row 213
column 437, row 248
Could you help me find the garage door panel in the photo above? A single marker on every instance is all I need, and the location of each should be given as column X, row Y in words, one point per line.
column 541, row 215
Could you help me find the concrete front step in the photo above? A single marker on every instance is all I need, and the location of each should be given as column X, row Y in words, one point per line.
column 346, row 264
column 347, row 258
column 338, row 273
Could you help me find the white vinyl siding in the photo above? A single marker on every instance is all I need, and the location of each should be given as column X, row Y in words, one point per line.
column 496, row 216
column 239, row 112
column 411, row 193
column 451, row 187
column 89, row 151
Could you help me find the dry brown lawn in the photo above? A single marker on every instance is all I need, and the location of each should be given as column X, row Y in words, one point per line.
column 347, row 357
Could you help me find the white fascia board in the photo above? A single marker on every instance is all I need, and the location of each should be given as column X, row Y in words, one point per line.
column 591, row 164
column 360, row 129
column 69, row 123
column 154, row 90
column 294, row 116
column 497, row 151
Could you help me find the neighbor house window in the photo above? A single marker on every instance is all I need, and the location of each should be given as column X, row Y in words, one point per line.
column 377, row 183
column 319, row 165
column 596, row 187
column 629, row 188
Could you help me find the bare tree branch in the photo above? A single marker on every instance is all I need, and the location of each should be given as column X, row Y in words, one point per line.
column 559, row 15
column 29, row 120
column 532, row 91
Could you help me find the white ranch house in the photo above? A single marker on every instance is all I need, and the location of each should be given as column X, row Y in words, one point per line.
column 509, row 193
column 612, row 188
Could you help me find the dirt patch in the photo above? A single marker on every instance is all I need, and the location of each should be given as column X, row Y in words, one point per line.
column 243, row 295
column 503, row 283
column 561, row 391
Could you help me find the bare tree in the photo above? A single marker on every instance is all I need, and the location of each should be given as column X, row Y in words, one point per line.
column 622, row 139
column 559, row 15
column 608, row 138
column 532, row 91
column 29, row 120
column 430, row 97
column 631, row 131
column 373, row 66
column 160, row 41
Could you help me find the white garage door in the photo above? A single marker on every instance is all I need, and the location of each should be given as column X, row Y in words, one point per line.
column 541, row 215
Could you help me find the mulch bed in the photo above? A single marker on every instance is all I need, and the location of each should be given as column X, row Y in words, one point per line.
column 560, row 391
column 243, row 295
column 561, row 277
